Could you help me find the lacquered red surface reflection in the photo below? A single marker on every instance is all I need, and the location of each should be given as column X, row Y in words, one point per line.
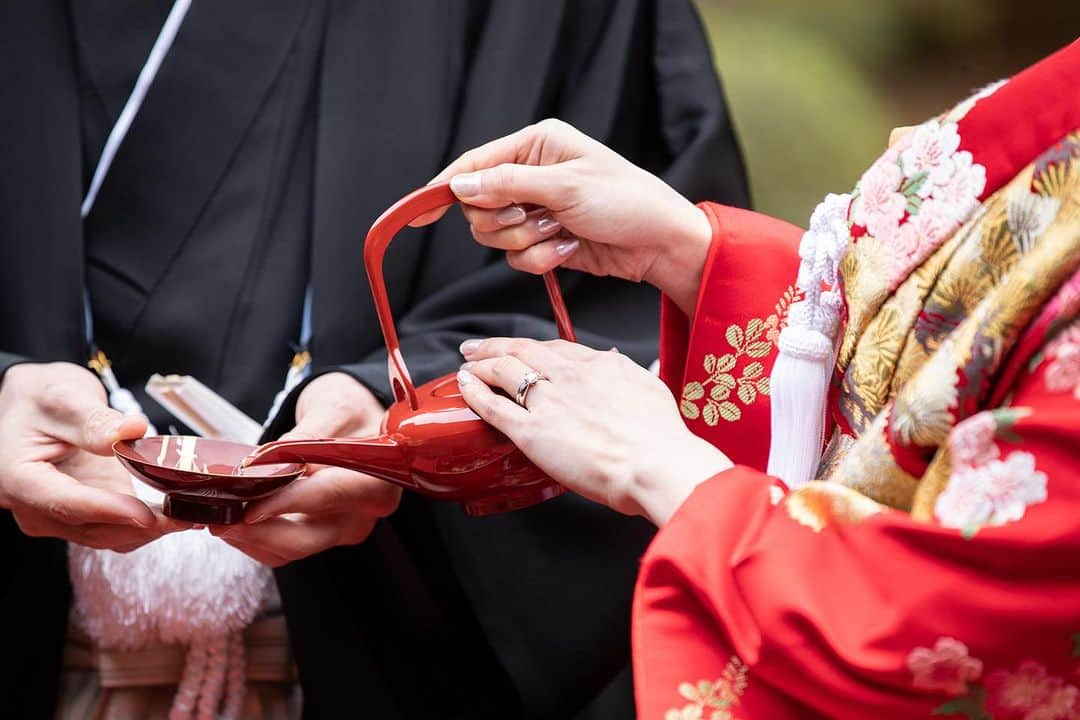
column 215, row 489
column 443, row 450
column 431, row 441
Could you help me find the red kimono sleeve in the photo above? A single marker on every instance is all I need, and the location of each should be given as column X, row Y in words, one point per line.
column 821, row 603
column 719, row 365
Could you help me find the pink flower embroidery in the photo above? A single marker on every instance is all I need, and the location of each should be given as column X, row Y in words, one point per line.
column 960, row 195
column 1063, row 372
column 931, row 151
column 992, row 494
column 1063, row 704
column 946, row 667
column 1029, row 693
column 972, row 440
column 879, row 206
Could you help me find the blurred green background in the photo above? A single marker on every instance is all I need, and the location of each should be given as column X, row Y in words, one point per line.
column 815, row 86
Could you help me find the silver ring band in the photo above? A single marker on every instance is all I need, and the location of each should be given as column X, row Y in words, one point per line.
column 531, row 378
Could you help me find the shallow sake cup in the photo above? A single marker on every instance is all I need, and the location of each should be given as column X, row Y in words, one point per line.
column 216, row 490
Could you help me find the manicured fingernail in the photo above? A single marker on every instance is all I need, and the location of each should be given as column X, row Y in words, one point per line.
column 468, row 347
column 567, row 248
column 512, row 215
column 464, row 377
column 548, row 225
column 465, row 185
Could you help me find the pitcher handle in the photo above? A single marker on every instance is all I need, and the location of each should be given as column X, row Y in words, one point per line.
column 389, row 224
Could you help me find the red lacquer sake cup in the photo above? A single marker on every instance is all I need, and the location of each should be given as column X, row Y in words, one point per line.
column 216, row 489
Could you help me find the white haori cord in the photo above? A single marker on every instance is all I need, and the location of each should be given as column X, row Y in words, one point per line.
column 799, row 383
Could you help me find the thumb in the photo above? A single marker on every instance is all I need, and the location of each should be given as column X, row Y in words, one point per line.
column 321, row 420
column 334, row 405
column 104, row 426
column 550, row 186
column 87, row 422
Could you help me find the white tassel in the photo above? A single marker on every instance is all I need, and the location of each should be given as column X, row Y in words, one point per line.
column 799, row 384
column 798, row 390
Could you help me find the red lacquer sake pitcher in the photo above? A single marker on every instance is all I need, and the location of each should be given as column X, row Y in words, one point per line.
column 431, row 441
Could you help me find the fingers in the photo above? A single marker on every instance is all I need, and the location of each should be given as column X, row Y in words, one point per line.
column 504, row 373
column 536, row 227
column 257, row 552
column 486, row 220
column 102, row 536
column 44, row 489
column 335, row 405
column 534, row 165
column 328, row 490
column 83, row 419
column 281, row 540
column 509, row 149
column 544, row 356
column 552, row 186
column 503, row 414
column 513, row 148
column 532, row 240
column 543, row 256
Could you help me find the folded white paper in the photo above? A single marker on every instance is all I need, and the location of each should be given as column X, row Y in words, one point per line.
column 202, row 409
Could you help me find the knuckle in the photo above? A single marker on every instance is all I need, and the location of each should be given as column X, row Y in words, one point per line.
column 61, row 512
column 572, row 372
column 518, row 347
column 517, row 239
column 55, row 398
column 551, row 125
column 485, row 407
column 503, row 177
column 503, row 367
column 97, row 421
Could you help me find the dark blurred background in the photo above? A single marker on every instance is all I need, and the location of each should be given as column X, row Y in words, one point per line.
column 816, row 85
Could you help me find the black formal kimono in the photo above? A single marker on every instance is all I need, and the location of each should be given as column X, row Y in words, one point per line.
column 275, row 132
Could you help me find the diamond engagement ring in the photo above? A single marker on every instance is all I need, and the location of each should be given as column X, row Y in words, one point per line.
column 530, row 378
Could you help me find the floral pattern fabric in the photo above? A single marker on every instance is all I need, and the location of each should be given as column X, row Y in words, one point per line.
column 932, row 569
column 1026, row 692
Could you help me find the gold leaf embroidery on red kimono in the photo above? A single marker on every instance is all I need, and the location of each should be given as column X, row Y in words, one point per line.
column 978, row 292
column 736, row 379
column 719, row 697
column 1029, row 691
column 817, row 504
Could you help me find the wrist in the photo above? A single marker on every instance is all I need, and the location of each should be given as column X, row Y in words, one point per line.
column 659, row 487
column 680, row 261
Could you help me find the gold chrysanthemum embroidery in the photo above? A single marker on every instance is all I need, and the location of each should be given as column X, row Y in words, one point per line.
column 736, row 379
column 717, row 698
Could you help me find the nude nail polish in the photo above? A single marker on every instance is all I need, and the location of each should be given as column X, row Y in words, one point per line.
column 548, row 225
column 512, row 215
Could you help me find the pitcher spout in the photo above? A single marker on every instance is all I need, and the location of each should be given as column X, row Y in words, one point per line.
column 379, row 456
